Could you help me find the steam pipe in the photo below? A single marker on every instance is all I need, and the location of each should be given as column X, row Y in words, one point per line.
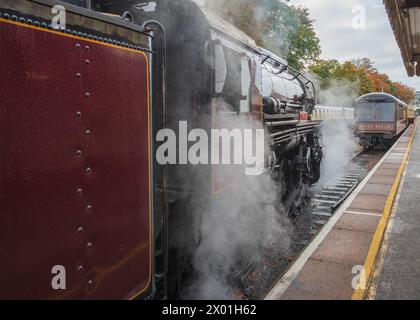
column 285, row 134
column 282, row 123
column 280, row 117
column 296, row 130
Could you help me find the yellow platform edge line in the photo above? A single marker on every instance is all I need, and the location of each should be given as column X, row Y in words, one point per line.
column 359, row 294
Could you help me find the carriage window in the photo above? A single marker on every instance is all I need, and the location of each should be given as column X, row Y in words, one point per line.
column 401, row 112
column 377, row 111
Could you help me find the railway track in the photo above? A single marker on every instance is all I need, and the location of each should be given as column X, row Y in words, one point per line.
column 337, row 189
column 319, row 206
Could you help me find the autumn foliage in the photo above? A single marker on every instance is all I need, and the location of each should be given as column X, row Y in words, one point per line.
column 362, row 73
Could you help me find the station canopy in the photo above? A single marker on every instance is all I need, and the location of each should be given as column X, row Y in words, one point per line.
column 404, row 16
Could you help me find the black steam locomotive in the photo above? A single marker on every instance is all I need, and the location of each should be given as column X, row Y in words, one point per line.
column 207, row 73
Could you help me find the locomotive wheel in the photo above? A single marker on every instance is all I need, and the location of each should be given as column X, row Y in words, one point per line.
column 316, row 173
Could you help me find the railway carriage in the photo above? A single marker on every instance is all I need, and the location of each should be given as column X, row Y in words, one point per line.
column 411, row 115
column 380, row 118
column 324, row 113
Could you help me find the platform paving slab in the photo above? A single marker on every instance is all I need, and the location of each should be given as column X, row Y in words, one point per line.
column 400, row 275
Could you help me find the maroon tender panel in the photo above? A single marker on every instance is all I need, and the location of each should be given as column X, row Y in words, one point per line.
column 74, row 166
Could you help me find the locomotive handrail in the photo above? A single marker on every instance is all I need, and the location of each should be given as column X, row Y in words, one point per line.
column 149, row 26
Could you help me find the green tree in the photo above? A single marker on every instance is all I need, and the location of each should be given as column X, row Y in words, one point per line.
column 304, row 46
column 326, row 70
column 366, row 84
column 281, row 28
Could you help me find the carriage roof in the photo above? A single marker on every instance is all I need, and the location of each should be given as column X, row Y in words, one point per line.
column 380, row 96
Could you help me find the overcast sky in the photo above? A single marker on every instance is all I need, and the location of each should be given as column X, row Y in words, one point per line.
column 339, row 40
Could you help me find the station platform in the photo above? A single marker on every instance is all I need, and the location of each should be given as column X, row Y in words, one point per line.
column 397, row 271
column 370, row 248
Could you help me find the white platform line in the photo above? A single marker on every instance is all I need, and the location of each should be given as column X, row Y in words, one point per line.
column 280, row 288
column 364, row 213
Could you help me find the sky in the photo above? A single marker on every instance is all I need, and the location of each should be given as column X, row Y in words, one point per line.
column 334, row 21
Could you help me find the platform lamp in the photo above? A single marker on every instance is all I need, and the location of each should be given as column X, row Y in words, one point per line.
column 414, row 64
column 411, row 12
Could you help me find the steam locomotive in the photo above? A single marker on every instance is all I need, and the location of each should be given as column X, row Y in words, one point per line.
column 80, row 185
column 380, row 118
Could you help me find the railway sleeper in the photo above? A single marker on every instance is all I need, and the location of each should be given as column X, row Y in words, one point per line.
column 332, row 193
column 336, row 189
column 323, row 202
column 322, row 214
column 329, row 197
column 320, row 222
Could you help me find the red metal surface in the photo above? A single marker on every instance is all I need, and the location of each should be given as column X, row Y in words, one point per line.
column 74, row 166
column 303, row 116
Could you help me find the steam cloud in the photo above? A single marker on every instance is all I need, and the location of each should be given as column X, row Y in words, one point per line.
column 275, row 41
column 340, row 93
column 339, row 147
column 234, row 228
column 337, row 136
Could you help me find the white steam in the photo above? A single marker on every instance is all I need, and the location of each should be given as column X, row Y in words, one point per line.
column 339, row 147
column 235, row 227
column 339, row 142
column 340, row 93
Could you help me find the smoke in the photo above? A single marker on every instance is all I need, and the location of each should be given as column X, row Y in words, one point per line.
column 340, row 93
column 235, row 227
column 338, row 139
column 271, row 26
column 339, row 147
